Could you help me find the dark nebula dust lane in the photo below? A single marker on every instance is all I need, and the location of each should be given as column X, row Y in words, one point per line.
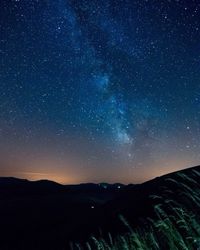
column 95, row 91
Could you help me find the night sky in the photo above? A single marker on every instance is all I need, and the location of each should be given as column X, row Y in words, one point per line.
column 99, row 91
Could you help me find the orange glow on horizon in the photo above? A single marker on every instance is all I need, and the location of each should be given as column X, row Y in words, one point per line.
column 67, row 171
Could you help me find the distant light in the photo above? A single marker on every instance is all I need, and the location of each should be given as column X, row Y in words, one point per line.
column 92, row 207
column 118, row 186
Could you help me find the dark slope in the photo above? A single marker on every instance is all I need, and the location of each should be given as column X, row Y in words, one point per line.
column 10, row 187
column 46, row 215
column 137, row 202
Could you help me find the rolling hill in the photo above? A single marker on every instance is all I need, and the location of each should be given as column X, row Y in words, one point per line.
column 46, row 215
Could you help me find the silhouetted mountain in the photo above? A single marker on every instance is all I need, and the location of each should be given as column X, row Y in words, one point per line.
column 10, row 186
column 48, row 212
column 47, row 215
column 135, row 202
column 11, row 181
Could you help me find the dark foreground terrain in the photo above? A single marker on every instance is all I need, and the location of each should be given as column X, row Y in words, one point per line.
column 45, row 215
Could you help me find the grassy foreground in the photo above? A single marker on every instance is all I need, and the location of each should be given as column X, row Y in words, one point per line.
column 175, row 224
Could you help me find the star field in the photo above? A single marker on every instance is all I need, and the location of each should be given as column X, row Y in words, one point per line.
column 96, row 91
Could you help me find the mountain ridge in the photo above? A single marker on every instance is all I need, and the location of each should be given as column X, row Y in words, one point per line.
column 16, row 179
column 55, row 214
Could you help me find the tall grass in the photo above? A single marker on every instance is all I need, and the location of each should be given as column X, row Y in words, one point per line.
column 175, row 225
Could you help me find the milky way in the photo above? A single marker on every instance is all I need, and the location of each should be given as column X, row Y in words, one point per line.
column 97, row 91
